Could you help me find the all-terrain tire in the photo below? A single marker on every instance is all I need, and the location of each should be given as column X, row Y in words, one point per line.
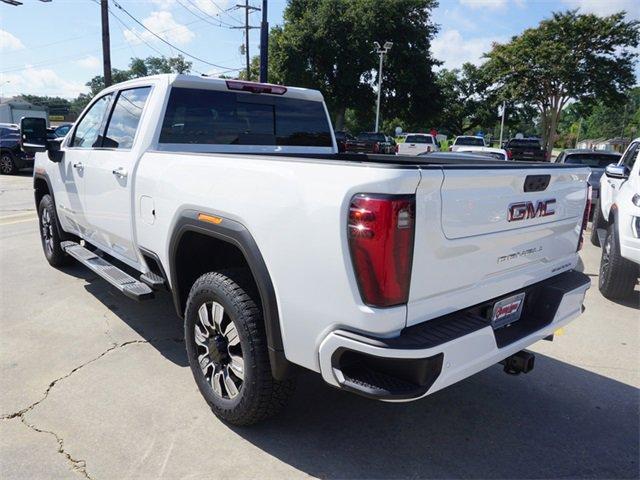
column 50, row 233
column 260, row 395
column 597, row 222
column 618, row 276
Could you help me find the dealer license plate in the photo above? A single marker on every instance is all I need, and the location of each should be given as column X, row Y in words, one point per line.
column 507, row 311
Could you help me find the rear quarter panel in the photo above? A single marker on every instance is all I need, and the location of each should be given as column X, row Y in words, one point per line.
column 296, row 211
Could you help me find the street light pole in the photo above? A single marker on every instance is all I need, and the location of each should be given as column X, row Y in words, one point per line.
column 504, row 107
column 380, row 51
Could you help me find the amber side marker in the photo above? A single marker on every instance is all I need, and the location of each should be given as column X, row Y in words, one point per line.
column 209, row 218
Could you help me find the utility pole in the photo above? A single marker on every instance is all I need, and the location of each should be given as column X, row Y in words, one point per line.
column 264, row 44
column 504, row 108
column 380, row 51
column 106, row 48
column 247, row 10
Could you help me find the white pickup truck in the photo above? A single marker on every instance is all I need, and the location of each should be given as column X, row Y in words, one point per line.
column 616, row 225
column 392, row 277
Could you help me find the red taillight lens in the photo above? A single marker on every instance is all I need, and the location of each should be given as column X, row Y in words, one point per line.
column 585, row 218
column 509, row 154
column 381, row 231
column 376, row 147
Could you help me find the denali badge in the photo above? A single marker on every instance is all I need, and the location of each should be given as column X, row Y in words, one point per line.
column 524, row 210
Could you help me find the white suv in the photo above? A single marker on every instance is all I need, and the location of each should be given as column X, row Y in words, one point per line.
column 616, row 225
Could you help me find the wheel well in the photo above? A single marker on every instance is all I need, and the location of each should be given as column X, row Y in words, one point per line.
column 41, row 189
column 197, row 254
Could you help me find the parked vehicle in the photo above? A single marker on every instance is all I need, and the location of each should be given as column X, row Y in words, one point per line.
column 342, row 138
column 12, row 158
column 616, row 225
column 596, row 160
column 392, row 280
column 467, row 141
column 60, row 131
column 525, row 150
column 417, row 143
column 368, row 142
column 495, row 153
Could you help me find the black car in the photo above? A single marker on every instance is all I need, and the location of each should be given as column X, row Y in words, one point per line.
column 525, row 150
column 341, row 139
column 369, row 142
column 12, row 158
column 58, row 132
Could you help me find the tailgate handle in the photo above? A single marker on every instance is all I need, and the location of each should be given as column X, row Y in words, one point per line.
column 536, row 183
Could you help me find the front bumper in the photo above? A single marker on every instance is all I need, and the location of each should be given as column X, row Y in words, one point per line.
column 432, row 355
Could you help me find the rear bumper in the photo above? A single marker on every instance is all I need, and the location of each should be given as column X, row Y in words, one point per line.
column 435, row 354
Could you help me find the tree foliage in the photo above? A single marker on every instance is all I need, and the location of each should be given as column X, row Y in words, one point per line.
column 569, row 56
column 328, row 45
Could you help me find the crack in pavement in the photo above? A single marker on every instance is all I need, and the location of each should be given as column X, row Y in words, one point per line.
column 78, row 465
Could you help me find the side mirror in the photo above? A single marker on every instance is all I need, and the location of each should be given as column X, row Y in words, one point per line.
column 616, row 171
column 53, row 146
column 33, row 134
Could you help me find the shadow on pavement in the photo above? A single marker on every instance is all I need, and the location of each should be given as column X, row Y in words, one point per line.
column 557, row 421
column 154, row 320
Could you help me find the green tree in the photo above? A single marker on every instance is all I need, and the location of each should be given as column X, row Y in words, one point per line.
column 254, row 69
column 569, row 56
column 328, row 45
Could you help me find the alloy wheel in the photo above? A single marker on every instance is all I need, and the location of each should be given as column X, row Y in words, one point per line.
column 6, row 164
column 46, row 227
column 219, row 350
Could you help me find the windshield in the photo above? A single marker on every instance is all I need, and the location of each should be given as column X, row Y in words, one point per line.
column 594, row 160
column 475, row 141
column 213, row 117
column 525, row 143
column 419, row 139
column 372, row 137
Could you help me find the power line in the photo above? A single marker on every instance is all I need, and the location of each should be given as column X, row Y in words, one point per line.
column 247, row 11
column 169, row 43
column 222, row 23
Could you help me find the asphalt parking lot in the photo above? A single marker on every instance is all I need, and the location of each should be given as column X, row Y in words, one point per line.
column 95, row 385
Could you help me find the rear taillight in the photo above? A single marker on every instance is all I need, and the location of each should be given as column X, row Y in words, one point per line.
column 585, row 218
column 376, row 147
column 509, row 154
column 397, row 147
column 381, row 232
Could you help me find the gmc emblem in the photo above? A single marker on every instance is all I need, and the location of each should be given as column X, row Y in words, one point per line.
column 524, row 210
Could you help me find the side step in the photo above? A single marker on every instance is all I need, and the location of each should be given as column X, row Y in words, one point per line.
column 153, row 280
column 124, row 282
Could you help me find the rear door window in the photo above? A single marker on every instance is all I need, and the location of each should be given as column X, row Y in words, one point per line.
column 212, row 117
column 470, row 141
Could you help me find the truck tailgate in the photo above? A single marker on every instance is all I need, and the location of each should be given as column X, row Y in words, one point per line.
column 480, row 235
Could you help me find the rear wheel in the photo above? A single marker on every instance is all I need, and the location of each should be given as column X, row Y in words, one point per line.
column 597, row 222
column 50, row 233
column 7, row 164
column 618, row 276
column 227, row 350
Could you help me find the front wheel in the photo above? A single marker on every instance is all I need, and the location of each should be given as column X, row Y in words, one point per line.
column 227, row 350
column 618, row 276
column 50, row 233
column 7, row 164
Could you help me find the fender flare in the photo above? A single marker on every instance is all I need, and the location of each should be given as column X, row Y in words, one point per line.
column 43, row 176
column 238, row 235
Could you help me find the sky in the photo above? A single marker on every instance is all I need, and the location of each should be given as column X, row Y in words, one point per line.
column 55, row 48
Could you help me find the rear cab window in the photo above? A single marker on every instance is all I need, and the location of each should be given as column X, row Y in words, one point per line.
column 525, row 143
column 419, row 139
column 470, row 141
column 593, row 160
column 216, row 117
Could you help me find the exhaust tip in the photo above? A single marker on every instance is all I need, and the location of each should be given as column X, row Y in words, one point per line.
column 520, row 362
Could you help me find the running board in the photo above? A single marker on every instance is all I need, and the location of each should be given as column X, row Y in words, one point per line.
column 124, row 282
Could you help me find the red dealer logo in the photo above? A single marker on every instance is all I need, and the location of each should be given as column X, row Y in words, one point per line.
column 525, row 210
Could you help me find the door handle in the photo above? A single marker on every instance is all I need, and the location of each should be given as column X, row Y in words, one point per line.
column 78, row 166
column 120, row 172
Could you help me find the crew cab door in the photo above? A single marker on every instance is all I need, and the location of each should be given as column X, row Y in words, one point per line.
column 69, row 183
column 609, row 186
column 108, row 191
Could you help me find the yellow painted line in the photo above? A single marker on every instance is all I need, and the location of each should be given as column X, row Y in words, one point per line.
column 559, row 332
column 12, row 220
